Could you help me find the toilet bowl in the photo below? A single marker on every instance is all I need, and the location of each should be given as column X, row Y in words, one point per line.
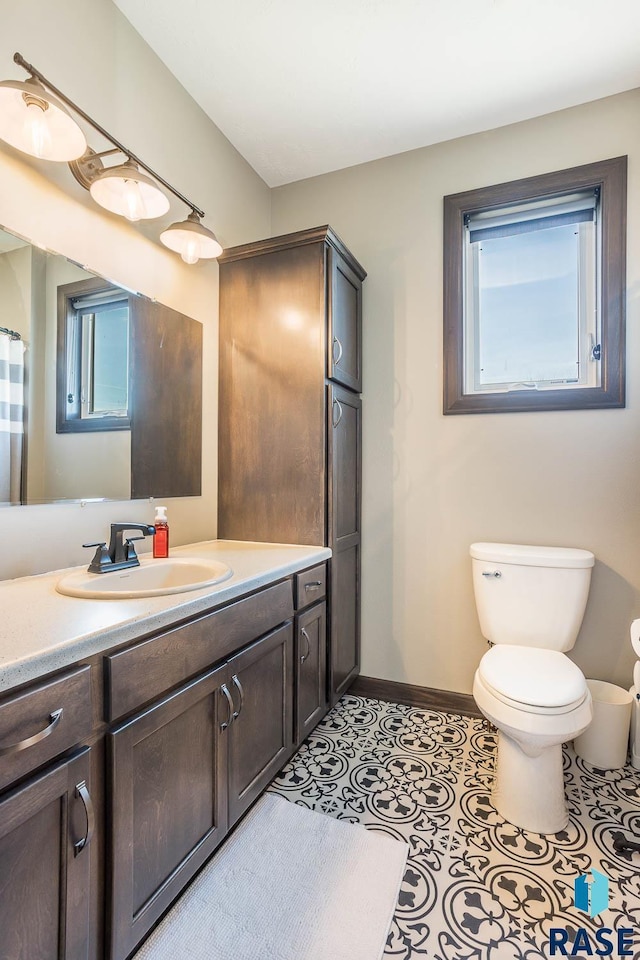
column 528, row 786
column 531, row 601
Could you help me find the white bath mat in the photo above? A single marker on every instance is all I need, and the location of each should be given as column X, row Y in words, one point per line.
column 289, row 884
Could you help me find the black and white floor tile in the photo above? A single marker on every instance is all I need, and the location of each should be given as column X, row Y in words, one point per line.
column 475, row 887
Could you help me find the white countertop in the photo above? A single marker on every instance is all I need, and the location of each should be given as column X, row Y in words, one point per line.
column 41, row 630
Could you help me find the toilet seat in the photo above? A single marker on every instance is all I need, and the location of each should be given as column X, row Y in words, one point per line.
column 533, row 679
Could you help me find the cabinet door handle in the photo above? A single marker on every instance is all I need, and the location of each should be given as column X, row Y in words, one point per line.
column 54, row 720
column 231, row 714
column 336, row 360
column 336, row 403
column 238, row 685
column 83, row 794
column 306, row 636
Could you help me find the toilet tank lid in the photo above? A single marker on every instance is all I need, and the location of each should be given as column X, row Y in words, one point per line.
column 532, row 556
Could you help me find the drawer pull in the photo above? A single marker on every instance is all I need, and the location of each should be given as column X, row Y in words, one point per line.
column 313, row 585
column 230, row 715
column 83, row 794
column 306, row 636
column 54, row 720
column 337, row 359
column 238, row 685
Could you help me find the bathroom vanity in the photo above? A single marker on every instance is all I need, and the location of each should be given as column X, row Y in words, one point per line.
column 130, row 748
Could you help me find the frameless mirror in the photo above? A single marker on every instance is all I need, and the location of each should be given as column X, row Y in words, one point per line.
column 100, row 388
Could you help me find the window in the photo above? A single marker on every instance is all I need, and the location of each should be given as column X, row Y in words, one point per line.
column 93, row 358
column 534, row 289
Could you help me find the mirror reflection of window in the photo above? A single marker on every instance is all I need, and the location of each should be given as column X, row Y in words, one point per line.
column 94, row 359
column 98, row 365
column 109, row 361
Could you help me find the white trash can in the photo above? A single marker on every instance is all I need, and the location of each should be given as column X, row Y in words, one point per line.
column 634, row 740
column 605, row 741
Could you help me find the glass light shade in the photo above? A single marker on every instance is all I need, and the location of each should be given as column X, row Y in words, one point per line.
column 129, row 192
column 37, row 122
column 191, row 240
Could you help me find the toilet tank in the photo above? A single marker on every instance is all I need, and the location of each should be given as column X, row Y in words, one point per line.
column 531, row 596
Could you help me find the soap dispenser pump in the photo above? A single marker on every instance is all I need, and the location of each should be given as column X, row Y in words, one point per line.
column 161, row 536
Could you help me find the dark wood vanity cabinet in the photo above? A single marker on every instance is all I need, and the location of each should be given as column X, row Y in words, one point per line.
column 185, row 770
column 311, row 669
column 45, row 832
column 120, row 777
column 260, row 738
column 168, row 804
column 47, row 820
column 289, row 412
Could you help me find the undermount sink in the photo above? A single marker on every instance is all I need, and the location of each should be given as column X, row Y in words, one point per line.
column 153, row 578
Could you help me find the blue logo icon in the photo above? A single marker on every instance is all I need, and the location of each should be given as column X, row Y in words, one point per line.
column 591, row 893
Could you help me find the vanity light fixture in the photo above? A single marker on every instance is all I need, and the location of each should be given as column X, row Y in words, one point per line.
column 35, row 118
column 35, row 121
column 191, row 240
column 128, row 191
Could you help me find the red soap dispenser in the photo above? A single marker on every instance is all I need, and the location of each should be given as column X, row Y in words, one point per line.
column 161, row 536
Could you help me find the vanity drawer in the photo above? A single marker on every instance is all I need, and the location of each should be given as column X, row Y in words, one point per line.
column 42, row 722
column 311, row 586
column 142, row 673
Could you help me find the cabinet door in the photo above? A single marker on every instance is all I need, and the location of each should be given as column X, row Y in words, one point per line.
column 345, row 466
column 44, row 864
column 345, row 619
column 344, row 323
column 261, row 732
column 168, row 771
column 311, row 669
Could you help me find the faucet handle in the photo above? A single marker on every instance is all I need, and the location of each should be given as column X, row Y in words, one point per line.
column 130, row 550
column 101, row 557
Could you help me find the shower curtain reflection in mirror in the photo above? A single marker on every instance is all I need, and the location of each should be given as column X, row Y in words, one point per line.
column 12, row 352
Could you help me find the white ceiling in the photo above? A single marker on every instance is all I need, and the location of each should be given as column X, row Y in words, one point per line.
column 302, row 87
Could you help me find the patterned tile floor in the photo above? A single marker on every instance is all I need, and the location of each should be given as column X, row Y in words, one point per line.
column 475, row 887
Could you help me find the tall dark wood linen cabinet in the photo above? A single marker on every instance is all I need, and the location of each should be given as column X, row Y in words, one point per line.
column 290, row 412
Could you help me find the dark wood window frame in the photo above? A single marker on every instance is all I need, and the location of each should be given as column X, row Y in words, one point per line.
column 611, row 177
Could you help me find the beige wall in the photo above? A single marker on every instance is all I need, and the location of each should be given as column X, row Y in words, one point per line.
column 434, row 484
column 90, row 51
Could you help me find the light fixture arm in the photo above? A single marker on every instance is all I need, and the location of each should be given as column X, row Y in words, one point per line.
column 19, row 59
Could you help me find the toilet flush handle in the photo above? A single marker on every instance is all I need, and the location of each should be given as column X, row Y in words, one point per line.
column 491, row 573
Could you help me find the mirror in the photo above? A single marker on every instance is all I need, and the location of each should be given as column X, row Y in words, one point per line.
column 100, row 388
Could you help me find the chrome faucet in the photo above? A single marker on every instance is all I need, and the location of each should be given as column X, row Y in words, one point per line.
column 120, row 553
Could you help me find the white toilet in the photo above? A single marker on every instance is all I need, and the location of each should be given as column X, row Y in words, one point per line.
column 531, row 602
